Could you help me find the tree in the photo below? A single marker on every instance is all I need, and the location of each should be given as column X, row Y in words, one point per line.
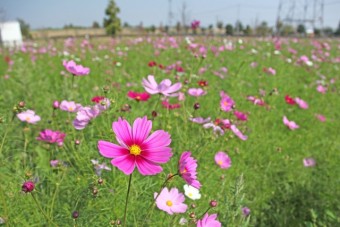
column 301, row 29
column 25, row 29
column 112, row 22
column 219, row 25
column 239, row 27
column 95, row 24
column 248, row 30
column 229, row 30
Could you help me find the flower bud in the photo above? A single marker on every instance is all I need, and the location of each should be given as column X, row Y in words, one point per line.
column 154, row 114
column 55, row 104
column 21, row 104
column 192, row 215
column 196, row 106
column 77, row 142
column 28, row 186
column 213, row 203
column 75, row 214
column 100, row 181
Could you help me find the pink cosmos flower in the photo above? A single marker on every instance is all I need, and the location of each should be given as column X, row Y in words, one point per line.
column 302, row 104
column 200, row 120
column 164, row 87
column 270, row 71
column 135, row 148
column 256, row 101
column 309, row 162
column 290, row 124
column 321, row 117
column 29, row 116
column 69, row 106
column 321, row 89
column 84, row 116
column 241, row 116
column 196, row 92
column 171, row 201
column 223, row 160
column 104, row 104
column 195, row 24
column 169, row 106
column 226, row 102
column 76, row 70
column 209, row 221
column 216, row 128
column 238, row 133
column 187, row 166
column 139, row 96
column 50, row 136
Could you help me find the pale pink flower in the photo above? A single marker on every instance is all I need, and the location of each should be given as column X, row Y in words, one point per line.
column 223, row 160
column 321, row 117
column 99, row 167
column 69, row 106
column 187, row 166
column 321, row 89
column 217, row 129
column 290, row 124
column 209, row 221
column 256, row 101
column 84, row 116
column 76, row 70
column 309, row 162
column 171, row 201
column 164, row 87
column 302, row 104
column 29, row 116
column 135, row 148
column 238, row 133
column 200, row 120
column 196, row 92
column 271, row 71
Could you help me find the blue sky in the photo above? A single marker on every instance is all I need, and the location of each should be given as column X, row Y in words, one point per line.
column 57, row 13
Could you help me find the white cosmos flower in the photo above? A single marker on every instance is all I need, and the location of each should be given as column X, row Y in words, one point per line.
column 191, row 192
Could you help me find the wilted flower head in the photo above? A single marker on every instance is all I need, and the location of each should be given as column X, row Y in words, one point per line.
column 50, row 136
column 187, row 166
column 209, row 221
column 135, row 148
column 28, row 116
column 223, row 160
column 164, row 87
column 76, row 70
column 171, row 201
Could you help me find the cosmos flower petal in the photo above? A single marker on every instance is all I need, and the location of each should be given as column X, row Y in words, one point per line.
column 146, row 167
column 122, row 129
column 160, row 155
column 110, row 150
column 157, row 139
column 124, row 163
column 141, row 129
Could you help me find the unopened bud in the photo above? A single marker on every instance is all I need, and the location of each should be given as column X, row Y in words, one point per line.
column 154, row 114
column 213, row 203
column 77, row 142
column 75, row 214
column 55, row 104
column 192, row 215
column 196, row 106
column 21, row 104
column 28, row 186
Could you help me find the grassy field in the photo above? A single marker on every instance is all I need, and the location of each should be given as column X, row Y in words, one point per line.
column 285, row 176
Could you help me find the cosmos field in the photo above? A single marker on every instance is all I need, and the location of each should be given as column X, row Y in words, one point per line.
column 170, row 131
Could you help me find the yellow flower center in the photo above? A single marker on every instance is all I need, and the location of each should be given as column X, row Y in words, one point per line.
column 70, row 108
column 135, row 150
column 138, row 97
column 225, row 103
column 28, row 119
column 169, row 203
column 184, row 171
column 219, row 162
column 190, row 194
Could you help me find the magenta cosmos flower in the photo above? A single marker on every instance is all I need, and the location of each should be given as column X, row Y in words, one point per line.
column 187, row 166
column 28, row 116
column 240, row 115
column 209, row 221
column 290, row 124
column 50, row 136
column 164, row 87
column 171, row 201
column 135, row 148
column 196, row 92
column 76, row 70
column 139, row 96
column 226, row 102
column 223, row 160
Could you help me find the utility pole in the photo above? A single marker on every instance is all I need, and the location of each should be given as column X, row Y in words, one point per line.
column 170, row 14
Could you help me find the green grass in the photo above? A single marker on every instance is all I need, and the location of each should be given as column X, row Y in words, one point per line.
column 267, row 173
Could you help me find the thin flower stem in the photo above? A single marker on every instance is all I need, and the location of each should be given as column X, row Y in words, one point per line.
column 204, row 212
column 127, row 198
column 41, row 210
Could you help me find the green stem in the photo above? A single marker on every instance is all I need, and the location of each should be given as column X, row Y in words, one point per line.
column 55, row 193
column 42, row 211
column 204, row 212
column 127, row 198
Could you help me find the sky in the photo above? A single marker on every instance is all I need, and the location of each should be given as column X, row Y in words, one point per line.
column 41, row 14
